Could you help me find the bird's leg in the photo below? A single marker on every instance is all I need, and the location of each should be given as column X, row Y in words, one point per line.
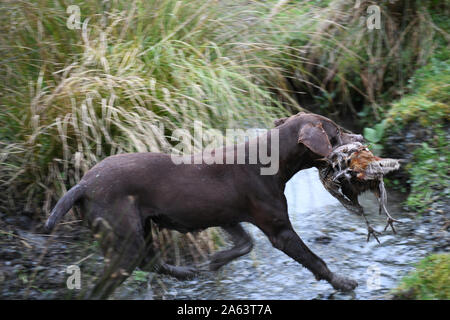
column 382, row 200
column 390, row 221
column 370, row 230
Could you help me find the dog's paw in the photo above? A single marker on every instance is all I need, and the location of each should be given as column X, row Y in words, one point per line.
column 342, row 283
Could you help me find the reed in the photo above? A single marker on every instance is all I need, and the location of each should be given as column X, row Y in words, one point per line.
column 133, row 73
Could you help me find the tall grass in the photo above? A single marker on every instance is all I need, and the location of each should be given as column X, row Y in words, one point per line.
column 350, row 68
column 72, row 97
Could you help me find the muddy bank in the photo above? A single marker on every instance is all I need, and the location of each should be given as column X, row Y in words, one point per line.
column 33, row 264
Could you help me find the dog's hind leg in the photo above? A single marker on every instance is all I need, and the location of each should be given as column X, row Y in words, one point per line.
column 243, row 244
column 122, row 241
column 153, row 262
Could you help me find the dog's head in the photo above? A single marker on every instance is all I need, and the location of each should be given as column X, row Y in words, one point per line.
column 319, row 134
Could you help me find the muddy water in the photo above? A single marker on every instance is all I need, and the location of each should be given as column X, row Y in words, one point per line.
column 334, row 234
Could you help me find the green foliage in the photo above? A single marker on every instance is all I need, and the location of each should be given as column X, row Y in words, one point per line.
column 140, row 276
column 430, row 280
column 428, row 104
column 433, row 80
column 417, row 107
column 374, row 136
column 429, row 174
column 429, row 101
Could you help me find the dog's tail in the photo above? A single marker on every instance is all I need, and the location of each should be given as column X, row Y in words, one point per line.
column 63, row 205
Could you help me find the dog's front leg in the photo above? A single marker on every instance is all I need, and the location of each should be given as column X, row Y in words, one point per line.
column 290, row 243
column 279, row 230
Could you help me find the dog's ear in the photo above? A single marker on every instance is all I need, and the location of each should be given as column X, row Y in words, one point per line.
column 315, row 139
column 280, row 121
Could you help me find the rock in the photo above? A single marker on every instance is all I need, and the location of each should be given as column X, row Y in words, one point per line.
column 8, row 254
column 401, row 145
column 21, row 221
column 323, row 239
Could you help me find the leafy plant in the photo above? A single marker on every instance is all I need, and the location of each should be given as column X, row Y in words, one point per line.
column 140, row 276
column 429, row 174
column 428, row 106
column 374, row 136
column 430, row 280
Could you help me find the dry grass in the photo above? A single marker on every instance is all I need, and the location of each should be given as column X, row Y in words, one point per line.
column 353, row 69
column 110, row 88
column 132, row 74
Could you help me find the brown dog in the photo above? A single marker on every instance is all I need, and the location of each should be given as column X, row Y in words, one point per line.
column 122, row 194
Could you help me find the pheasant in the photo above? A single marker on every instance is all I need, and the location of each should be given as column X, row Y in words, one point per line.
column 351, row 170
